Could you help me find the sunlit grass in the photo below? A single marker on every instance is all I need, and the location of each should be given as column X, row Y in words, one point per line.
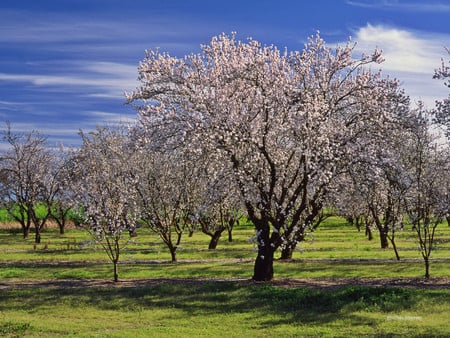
column 230, row 308
column 334, row 250
column 224, row 269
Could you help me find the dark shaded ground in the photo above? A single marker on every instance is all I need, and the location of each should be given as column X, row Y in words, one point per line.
column 314, row 283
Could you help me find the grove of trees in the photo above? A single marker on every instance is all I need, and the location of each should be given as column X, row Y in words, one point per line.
column 246, row 129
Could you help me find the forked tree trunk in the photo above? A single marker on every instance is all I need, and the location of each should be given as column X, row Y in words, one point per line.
column 230, row 225
column 394, row 246
column 173, row 253
column 214, row 240
column 230, row 235
column 25, row 231
column 167, row 239
column 62, row 224
column 286, row 252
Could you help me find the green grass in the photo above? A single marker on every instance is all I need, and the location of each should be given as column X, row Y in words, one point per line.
column 334, row 250
column 233, row 307
column 223, row 309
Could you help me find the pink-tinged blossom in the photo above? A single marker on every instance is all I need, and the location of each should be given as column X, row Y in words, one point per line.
column 283, row 125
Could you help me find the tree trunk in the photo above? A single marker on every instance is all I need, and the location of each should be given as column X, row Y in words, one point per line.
column 383, row 238
column 26, row 232
column 427, row 267
column 286, row 253
column 179, row 238
column 37, row 238
column 214, row 240
column 230, row 225
column 369, row 232
column 230, row 235
column 358, row 223
column 173, row 253
column 448, row 220
column 116, row 272
column 61, row 225
column 394, row 246
column 263, row 269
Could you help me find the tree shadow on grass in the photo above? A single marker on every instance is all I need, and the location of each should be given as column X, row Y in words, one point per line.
column 203, row 298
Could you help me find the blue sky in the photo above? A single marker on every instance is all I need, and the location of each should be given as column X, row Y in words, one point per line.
column 65, row 64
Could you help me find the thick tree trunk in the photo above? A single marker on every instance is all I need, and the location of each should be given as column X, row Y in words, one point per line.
column 61, row 225
column 263, row 269
column 383, row 238
column 173, row 253
column 214, row 240
column 287, row 251
column 448, row 220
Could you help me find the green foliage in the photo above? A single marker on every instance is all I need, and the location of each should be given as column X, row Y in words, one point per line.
column 13, row 329
column 41, row 211
column 6, row 217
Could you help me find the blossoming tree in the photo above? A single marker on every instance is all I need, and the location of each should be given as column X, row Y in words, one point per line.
column 427, row 201
column 103, row 182
column 442, row 111
column 27, row 180
column 284, row 124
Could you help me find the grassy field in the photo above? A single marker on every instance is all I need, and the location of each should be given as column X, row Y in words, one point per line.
column 62, row 287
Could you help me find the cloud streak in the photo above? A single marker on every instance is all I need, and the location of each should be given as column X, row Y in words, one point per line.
column 101, row 79
column 424, row 6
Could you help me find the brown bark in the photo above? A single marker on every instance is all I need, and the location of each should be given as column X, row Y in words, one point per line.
column 215, row 239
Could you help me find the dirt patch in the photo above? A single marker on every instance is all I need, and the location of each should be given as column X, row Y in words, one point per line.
column 313, row 283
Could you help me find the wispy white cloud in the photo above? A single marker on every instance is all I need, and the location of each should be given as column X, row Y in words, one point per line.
column 409, row 56
column 422, row 6
column 67, row 133
column 105, row 117
column 68, row 32
column 101, row 79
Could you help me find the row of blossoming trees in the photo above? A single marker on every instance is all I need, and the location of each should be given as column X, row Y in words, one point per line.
column 245, row 128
